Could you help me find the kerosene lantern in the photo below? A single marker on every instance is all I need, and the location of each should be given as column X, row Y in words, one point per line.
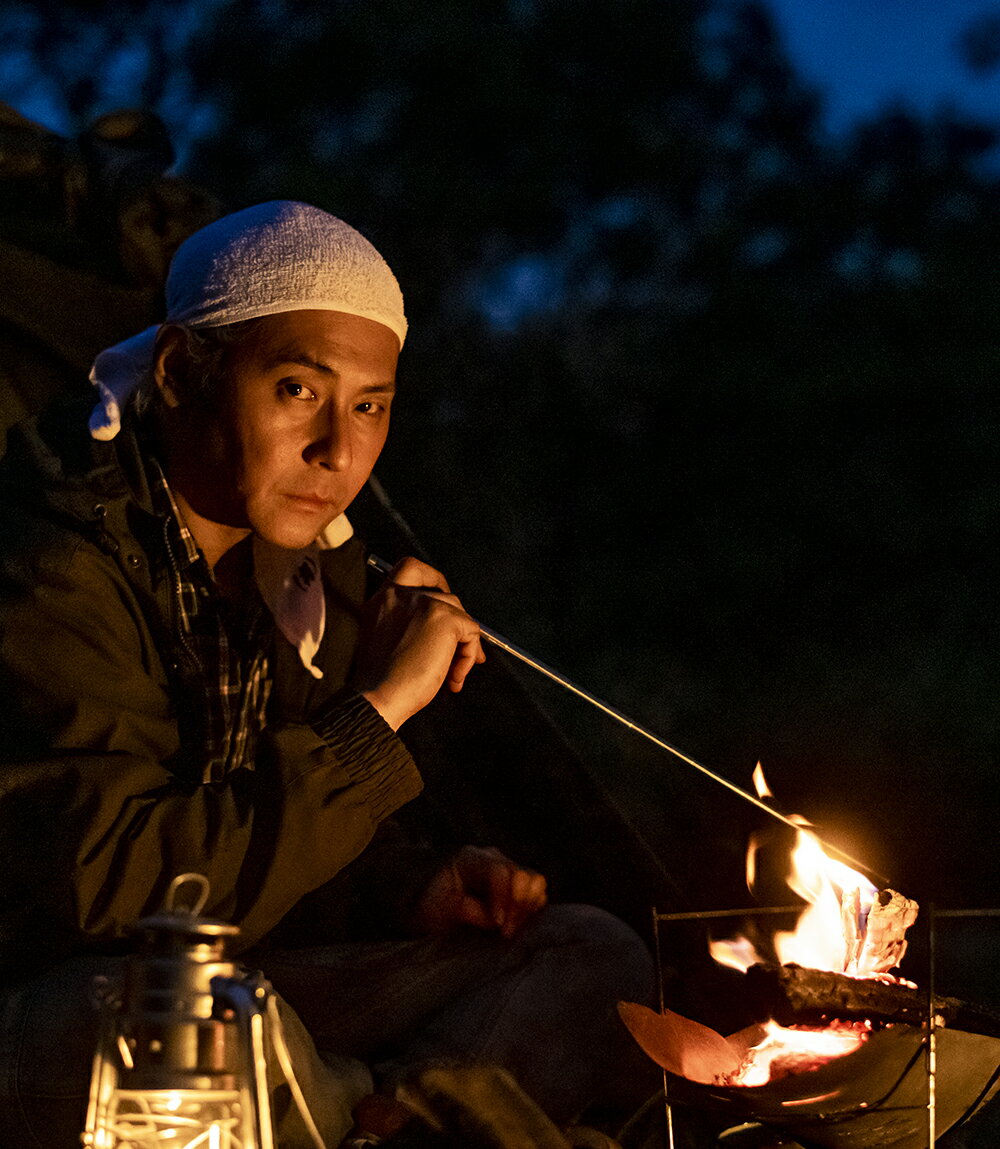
column 180, row 1063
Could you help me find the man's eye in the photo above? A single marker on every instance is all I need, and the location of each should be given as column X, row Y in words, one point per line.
column 297, row 390
column 370, row 407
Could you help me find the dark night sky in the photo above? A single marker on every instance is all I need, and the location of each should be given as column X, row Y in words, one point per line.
column 864, row 56
column 860, row 55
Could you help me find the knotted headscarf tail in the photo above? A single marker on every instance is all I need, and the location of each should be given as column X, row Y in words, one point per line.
column 272, row 258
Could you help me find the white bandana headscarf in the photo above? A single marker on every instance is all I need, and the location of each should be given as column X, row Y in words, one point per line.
column 276, row 257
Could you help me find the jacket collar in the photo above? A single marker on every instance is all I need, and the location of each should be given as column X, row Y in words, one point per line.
column 52, row 462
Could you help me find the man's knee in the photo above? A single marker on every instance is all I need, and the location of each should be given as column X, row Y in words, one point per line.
column 50, row 1026
column 598, row 945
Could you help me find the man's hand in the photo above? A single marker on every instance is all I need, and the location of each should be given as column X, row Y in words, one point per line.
column 480, row 887
column 415, row 636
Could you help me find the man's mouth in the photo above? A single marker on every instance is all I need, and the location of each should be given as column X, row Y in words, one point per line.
column 310, row 502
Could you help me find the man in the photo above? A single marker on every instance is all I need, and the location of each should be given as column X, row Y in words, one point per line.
column 193, row 681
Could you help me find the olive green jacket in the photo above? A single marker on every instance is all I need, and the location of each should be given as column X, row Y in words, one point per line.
column 101, row 804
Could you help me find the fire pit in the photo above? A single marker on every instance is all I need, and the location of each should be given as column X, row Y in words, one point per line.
column 845, row 1053
column 874, row 1096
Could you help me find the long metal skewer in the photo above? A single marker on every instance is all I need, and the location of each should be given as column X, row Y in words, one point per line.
column 495, row 639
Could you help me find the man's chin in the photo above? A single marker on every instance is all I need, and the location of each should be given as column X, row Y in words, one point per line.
column 290, row 537
column 292, row 523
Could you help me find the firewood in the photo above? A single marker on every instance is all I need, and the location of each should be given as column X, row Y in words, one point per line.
column 793, row 995
column 875, row 942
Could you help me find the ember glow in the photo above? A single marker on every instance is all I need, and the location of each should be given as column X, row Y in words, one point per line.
column 785, row 1051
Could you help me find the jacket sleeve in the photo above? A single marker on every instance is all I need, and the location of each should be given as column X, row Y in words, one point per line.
column 95, row 816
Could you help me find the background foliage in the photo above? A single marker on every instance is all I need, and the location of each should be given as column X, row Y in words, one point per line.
column 697, row 406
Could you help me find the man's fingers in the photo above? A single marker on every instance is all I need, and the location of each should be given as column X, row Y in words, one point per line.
column 413, row 590
column 417, row 577
column 415, row 638
column 499, row 878
column 528, row 894
column 528, row 888
column 472, row 912
column 412, row 572
column 515, row 895
column 468, row 655
column 468, row 644
column 492, row 892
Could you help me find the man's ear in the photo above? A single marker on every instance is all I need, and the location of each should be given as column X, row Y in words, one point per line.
column 171, row 365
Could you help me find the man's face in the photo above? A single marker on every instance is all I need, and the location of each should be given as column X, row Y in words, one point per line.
column 302, row 416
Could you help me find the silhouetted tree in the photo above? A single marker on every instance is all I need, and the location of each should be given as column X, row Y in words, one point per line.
column 697, row 403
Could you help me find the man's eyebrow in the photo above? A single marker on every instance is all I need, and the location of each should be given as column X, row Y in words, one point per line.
column 302, row 360
column 280, row 358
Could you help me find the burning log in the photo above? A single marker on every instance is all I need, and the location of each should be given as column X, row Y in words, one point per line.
column 792, row 995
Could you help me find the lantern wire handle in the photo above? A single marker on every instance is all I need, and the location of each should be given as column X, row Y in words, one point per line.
column 285, row 1061
column 172, row 904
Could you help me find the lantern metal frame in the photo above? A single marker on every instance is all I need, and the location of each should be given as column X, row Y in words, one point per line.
column 181, row 1058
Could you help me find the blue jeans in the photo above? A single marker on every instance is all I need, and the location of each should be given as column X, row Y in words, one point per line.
column 541, row 1005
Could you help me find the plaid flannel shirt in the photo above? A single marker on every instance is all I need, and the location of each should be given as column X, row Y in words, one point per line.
column 223, row 661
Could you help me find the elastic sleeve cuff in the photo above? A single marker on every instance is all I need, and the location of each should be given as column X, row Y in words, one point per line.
column 368, row 750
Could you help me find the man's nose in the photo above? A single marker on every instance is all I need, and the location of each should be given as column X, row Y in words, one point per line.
column 333, row 448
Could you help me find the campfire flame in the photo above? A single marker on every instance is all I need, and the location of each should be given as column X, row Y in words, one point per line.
column 848, row 926
column 832, row 931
